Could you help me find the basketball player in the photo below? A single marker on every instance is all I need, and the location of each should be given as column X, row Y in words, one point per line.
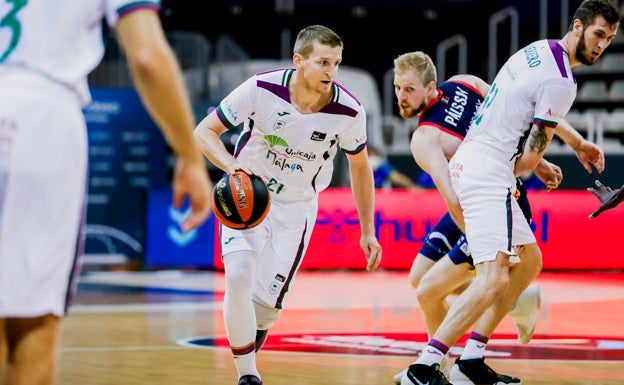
column 296, row 121
column 508, row 137
column 443, row 266
column 47, row 48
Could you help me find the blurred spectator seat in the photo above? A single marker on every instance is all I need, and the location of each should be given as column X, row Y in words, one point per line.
column 400, row 134
column 592, row 90
column 616, row 90
column 612, row 62
column 610, row 131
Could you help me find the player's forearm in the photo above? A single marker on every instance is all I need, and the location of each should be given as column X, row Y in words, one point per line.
column 363, row 187
column 569, row 135
column 213, row 147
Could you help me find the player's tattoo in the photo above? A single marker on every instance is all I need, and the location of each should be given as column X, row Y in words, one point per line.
column 538, row 140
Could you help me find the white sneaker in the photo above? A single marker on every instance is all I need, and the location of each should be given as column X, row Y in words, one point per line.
column 399, row 376
column 524, row 312
column 445, row 367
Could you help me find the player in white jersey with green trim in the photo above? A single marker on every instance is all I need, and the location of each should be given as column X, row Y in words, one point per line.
column 531, row 93
column 296, row 121
column 47, row 49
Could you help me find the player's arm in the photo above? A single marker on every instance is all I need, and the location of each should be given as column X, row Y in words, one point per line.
column 549, row 173
column 159, row 82
column 588, row 153
column 399, row 179
column 536, row 144
column 429, row 156
column 363, row 188
column 207, row 134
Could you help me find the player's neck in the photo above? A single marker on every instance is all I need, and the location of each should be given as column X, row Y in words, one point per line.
column 569, row 46
column 306, row 99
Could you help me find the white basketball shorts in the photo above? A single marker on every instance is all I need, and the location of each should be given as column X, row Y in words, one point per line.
column 43, row 169
column 280, row 241
column 483, row 179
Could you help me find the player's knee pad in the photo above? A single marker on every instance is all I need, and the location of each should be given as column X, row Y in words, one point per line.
column 265, row 315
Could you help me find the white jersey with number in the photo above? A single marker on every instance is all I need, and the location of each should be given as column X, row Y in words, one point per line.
column 535, row 85
column 60, row 39
column 47, row 49
column 294, row 151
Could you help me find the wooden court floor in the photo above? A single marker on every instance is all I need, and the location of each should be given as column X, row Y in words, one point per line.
column 339, row 327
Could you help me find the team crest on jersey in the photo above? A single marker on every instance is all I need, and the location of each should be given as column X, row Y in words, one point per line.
column 445, row 99
column 279, row 124
column 318, row 136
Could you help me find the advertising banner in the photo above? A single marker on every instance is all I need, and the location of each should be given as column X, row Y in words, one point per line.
column 567, row 238
column 167, row 245
column 127, row 156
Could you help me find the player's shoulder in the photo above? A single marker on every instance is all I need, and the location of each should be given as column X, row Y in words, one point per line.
column 470, row 82
column 344, row 97
column 273, row 81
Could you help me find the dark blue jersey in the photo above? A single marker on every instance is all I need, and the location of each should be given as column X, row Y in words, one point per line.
column 454, row 108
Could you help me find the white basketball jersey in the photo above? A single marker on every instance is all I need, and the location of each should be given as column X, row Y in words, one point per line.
column 60, row 39
column 294, row 151
column 535, row 85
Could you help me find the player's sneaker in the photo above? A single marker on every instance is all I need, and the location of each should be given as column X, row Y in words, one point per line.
column 445, row 368
column 419, row 374
column 475, row 371
column 524, row 312
column 249, row 379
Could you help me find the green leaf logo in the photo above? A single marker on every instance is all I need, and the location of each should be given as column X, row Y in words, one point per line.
column 275, row 140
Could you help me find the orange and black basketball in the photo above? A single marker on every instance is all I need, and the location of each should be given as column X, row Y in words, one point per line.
column 240, row 200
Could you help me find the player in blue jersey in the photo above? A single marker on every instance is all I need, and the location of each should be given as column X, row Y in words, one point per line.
column 526, row 102
column 295, row 122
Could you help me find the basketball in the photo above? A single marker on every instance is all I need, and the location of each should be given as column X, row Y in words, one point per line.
column 240, row 201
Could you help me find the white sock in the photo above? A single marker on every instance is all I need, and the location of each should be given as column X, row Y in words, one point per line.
column 430, row 355
column 473, row 349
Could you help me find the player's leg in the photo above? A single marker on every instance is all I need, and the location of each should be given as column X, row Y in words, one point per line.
column 43, row 183
column 4, row 351
column 471, row 368
column 33, row 342
column 443, row 279
column 238, row 309
column 440, row 240
column 437, row 245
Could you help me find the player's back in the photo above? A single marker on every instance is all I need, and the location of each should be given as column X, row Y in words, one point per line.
column 60, row 40
column 535, row 85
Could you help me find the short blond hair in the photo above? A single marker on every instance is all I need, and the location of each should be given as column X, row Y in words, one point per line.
column 315, row 33
column 418, row 62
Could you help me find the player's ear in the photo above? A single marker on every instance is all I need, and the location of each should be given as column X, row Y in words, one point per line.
column 297, row 59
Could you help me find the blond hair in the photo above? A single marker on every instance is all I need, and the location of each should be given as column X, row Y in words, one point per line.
column 419, row 62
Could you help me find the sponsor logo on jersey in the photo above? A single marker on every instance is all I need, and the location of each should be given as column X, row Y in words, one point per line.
column 318, row 136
